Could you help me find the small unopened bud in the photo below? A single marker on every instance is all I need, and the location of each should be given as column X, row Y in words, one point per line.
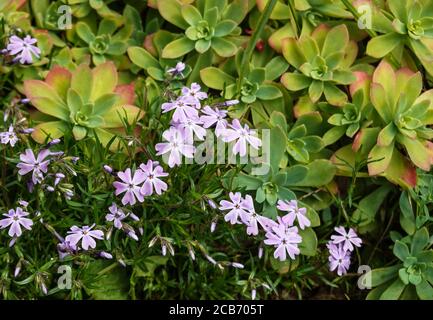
column 237, row 265
column 134, row 217
column 170, row 249
column 260, row 254
column 253, row 294
column 17, row 269
column 191, row 253
column 132, row 235
column 109, row 233
column 231, row 102
column 53, row 142
column 211, row 260
column 25, row 101
column 44, row 288
column 153, row 241
column 213, row 226
column 122, row 263
column 38, row 214
column 12, row 242
column 141, row 230
column 27, row 130
column 164, row 249
column 105, row 255
column 265, row 285
column 23, row 203
column 57, row 153
column 108, row 169
column 212, row 204
column 75, row 159
column 50, row 189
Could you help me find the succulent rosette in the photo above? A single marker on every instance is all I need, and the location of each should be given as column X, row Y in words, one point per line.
column 86, row 102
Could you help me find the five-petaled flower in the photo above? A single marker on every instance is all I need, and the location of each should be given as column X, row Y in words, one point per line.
column 338, row 258
column 213, row 117
column 176, row 145
column 237, row 207
column 348, row 239
column 180, row 66
column 243, row 136
column 9, row 137
column 293, row 213
column 285, row 240
column 23, row 49
column 116, row 215
column 153, row 172
column 130, row 185
column 184, row 108
column 38, row 165
column 195, row 93
column 15, row 219
column 84, row 234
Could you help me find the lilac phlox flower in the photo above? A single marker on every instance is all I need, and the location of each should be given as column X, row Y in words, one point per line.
column 293, row 213
column 243, row 136
column 153, row 172
column 9, row 137
column 285, row 239
column 65, row 249
column 338, row 258
column 348, row 239
column 38, row 165
column 116, row 215
column 180, row 66
column 184, row 108
column 214, row 116
column 130, row 185
column 15, row 219
column 191, row 127
column 84, row 234
column 237, row 207
column 176, row 145
column 23, row 49
column 195, row 93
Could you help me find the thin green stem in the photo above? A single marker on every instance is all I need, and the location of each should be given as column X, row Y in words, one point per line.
column 254, row 38
column 294, row 17
column 357, row 16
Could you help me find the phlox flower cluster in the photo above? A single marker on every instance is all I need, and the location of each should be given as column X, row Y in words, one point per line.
column 340, row 249
column 282, row 234
column 48, row 169
column 189, row 122
column 144, row 181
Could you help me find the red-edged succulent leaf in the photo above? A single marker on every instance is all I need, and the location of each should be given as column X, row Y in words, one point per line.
column 385, row 76
column 293, row 53
column 60, row 79
column 417, row 152
column 365, row 139
column 401, row 171
column 126, row 93
column 105, row 80
column 362, row 82
column 50, row 130
column 45, row 98
column 380, row 158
